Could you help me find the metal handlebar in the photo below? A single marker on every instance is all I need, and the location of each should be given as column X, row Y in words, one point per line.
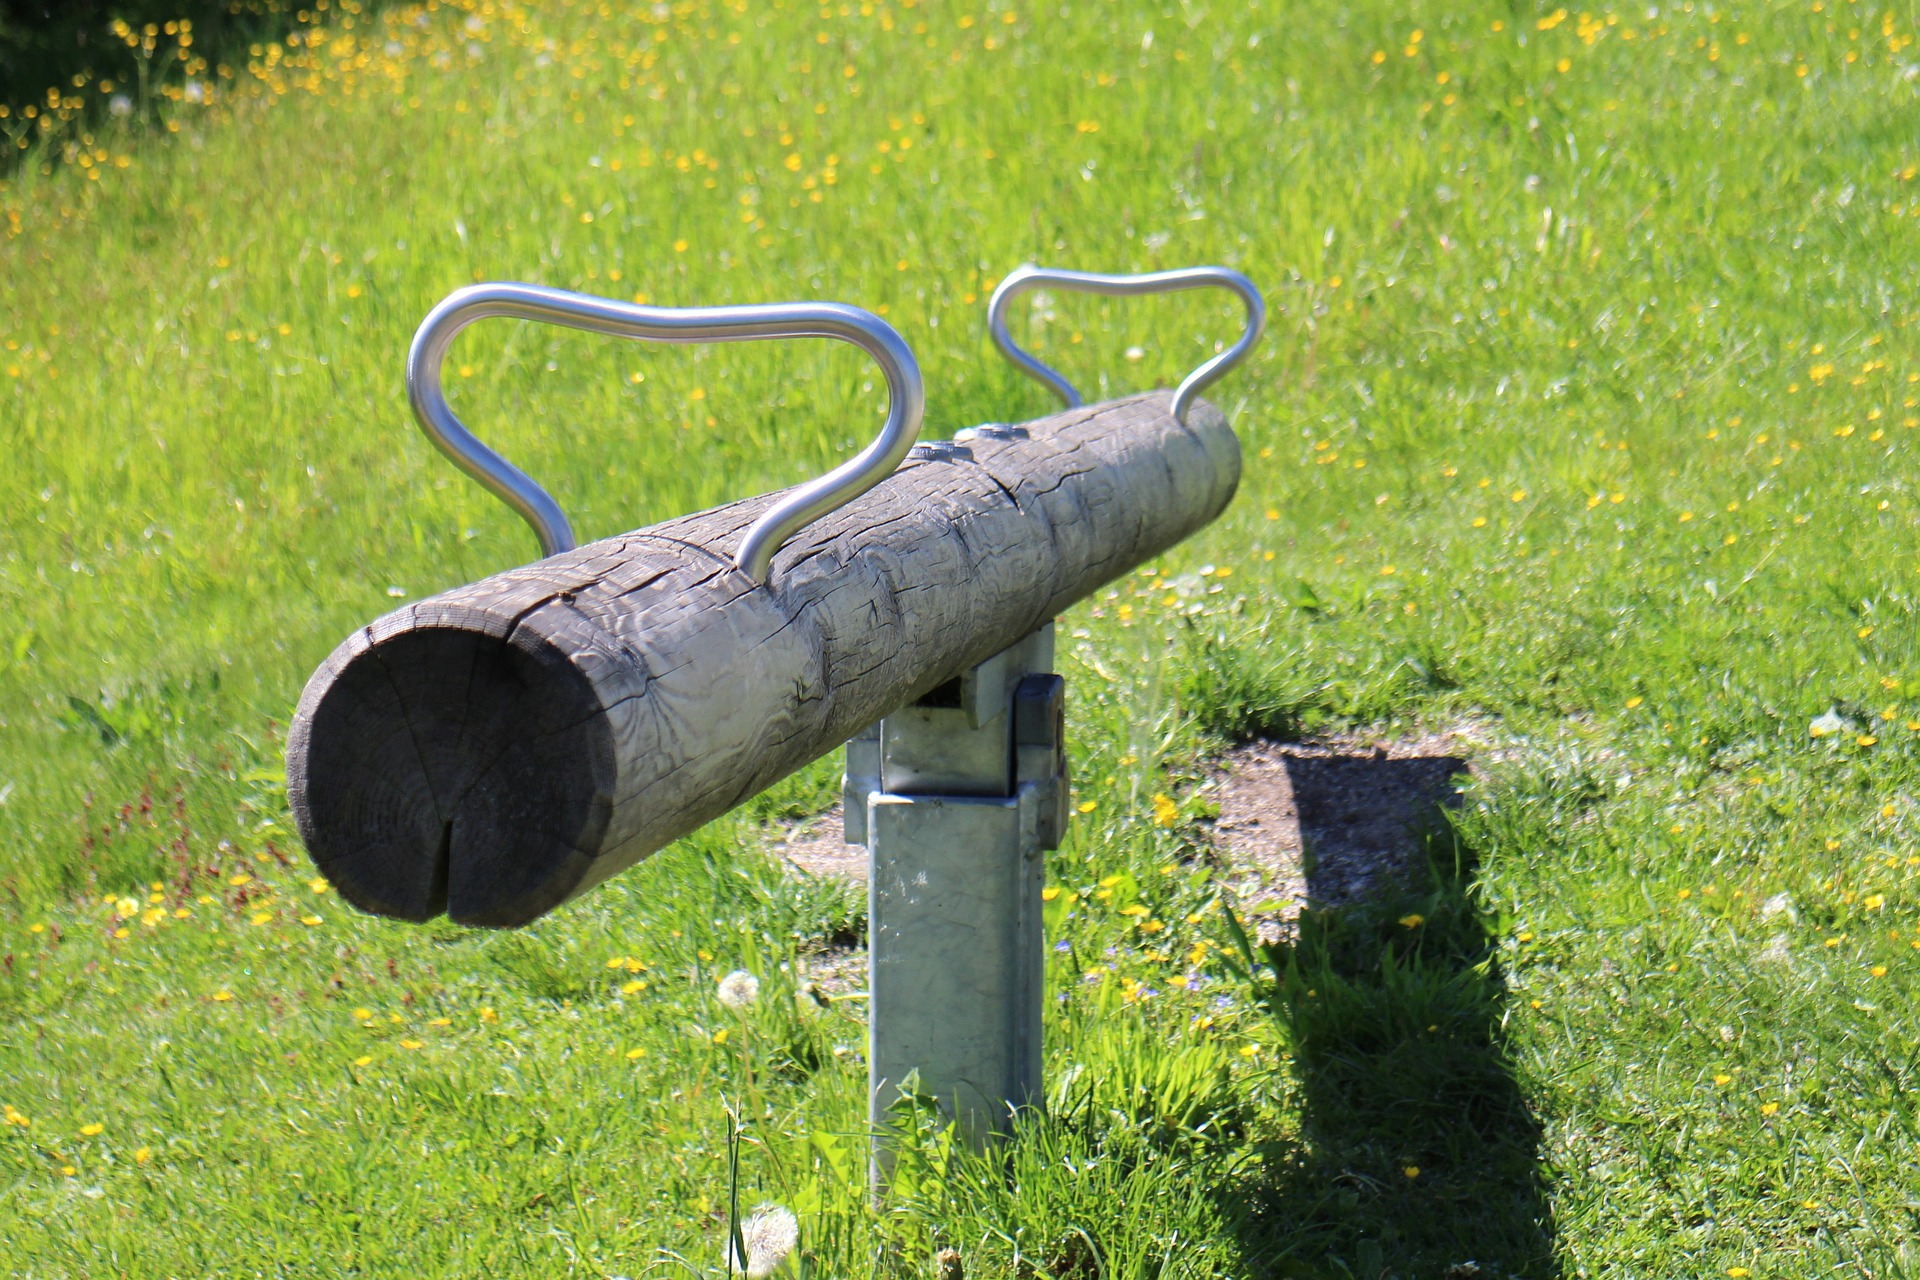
column 1028, row 276
column 906, row 405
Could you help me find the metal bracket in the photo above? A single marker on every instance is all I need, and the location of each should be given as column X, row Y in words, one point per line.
column 957, row 797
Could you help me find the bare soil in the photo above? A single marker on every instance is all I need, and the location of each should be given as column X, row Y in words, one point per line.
column 1323, row 824
column 1301, row 824
column 814, row 846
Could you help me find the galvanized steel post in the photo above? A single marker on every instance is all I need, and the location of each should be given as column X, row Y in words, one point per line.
column 957, row 797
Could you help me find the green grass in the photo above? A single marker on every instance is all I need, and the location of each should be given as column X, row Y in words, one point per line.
column 1586, row 418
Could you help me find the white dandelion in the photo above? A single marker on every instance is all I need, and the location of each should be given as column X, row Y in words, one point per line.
column 768, row 1235
column 739, row 989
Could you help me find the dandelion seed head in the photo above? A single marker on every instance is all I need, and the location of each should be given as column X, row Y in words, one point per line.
column 739, row 989
column 769, row 1236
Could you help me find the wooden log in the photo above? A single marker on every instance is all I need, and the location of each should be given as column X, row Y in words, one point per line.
column 498, row 749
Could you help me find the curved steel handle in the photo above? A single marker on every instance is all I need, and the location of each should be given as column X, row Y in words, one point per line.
column 1028, row 276
column 787, row 517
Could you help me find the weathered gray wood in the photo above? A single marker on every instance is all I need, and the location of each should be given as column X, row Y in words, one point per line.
column 496, row 750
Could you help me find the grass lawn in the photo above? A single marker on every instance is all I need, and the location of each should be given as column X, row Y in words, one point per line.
column 1586, row 419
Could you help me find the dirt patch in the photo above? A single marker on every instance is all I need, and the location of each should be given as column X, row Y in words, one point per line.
column 836, row 973
column 815, row 847
column 1323, row 824
column 1320, row 823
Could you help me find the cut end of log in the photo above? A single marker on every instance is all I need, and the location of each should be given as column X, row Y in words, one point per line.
column 450, row 770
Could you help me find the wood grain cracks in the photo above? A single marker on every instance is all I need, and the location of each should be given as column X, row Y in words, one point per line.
column 502, row 747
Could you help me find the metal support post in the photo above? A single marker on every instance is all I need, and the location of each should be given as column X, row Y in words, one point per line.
column 956, row 798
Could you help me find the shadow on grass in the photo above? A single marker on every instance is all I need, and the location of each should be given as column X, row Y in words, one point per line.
column 1418, row 1155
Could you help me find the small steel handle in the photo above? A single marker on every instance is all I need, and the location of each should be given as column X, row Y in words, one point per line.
column 1028, row 276
column 906, row 404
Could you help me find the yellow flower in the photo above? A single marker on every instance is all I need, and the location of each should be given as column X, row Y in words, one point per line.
column 410, row 1044
column 720, row 1036
column 91, row 1130
column 1723, row 1079
column 1165, row 811
column 318, row 884
column 223, row 996
column 1413, row 921
column 143, row 1155
column 1738, row 1271
column 1874, row 901
column 364, row 1060
column 1412, row 1171
column 1086, row 806
column 1769, row 1108
column 633, row 988
column 636, row 1053
column 1634, row 702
